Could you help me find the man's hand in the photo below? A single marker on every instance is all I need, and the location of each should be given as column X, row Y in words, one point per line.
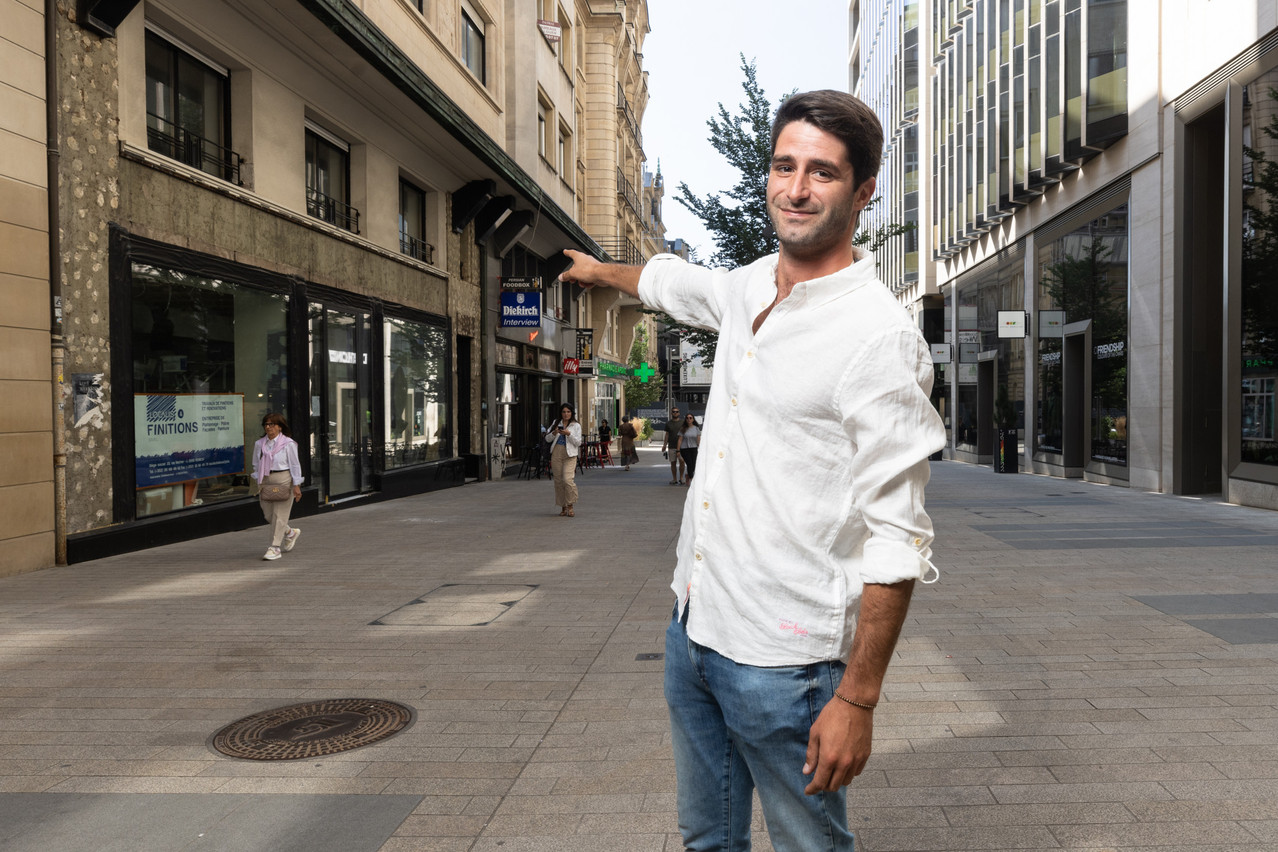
column 585, row 270
column 839, row 741
column 838, row 746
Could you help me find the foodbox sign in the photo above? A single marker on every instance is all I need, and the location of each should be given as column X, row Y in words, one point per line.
column 521, row 310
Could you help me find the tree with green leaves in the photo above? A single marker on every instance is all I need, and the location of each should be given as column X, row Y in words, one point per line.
column 742, row 231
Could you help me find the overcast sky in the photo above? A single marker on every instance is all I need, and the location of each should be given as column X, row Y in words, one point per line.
column 692, row 59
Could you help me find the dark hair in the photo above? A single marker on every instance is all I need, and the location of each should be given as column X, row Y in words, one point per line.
column 572, row 412
column 273, row 417
column 843, row 116
column 683, row 427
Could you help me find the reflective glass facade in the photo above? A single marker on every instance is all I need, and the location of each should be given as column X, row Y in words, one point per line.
column 1024, row 91
column 887, row 78
column 1083, row 280
column 989, row 371
column 209, row 357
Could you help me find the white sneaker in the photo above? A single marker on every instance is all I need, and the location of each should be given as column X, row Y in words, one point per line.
column 290, row 540
column 272, row 552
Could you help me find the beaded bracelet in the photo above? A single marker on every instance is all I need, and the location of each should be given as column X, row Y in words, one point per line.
column 841, row 697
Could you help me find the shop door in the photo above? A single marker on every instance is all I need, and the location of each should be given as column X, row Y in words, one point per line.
column 986, row 379
column 1076, row 379
column 341, row 411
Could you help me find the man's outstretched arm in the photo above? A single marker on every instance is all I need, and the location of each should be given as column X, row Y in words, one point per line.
column 588, row 272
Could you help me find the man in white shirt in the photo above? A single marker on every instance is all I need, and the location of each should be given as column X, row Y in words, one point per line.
column 804, row 530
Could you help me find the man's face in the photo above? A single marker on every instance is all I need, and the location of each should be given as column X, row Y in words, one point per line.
column 811, row 196
column 674, row 413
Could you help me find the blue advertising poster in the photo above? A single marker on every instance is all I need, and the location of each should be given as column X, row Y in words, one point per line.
column 180, row 437
column 521, row 310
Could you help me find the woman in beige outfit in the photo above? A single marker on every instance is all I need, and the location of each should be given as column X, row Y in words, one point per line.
column 565, row 435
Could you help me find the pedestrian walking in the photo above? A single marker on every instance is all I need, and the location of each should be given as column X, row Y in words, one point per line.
column 799, row 551
column 689, row 437
column 678, row 468
column 628, row 435
column 278, row 475
column 564, row 436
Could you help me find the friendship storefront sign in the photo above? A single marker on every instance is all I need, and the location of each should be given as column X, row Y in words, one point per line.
column 180, row 437
column 520, row 309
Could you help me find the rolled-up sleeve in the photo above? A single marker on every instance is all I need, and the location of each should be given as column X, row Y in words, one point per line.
column 688, row 293
column 894, row 429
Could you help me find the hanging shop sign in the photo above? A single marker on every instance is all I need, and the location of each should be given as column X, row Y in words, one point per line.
column 181, row 437
column 521, row 284
column 551, row 30
column 692, row 367
column 1051, row 324
column 586, row 350
column 1013, row 324
column 520, row 309
column 571, row 366
column 609, row 369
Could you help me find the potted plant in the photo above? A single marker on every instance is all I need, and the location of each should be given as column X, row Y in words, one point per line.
column 1007, row 447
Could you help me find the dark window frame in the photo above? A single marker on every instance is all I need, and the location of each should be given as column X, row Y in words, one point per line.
column 415, row 245
column 166, row 135
column 319, row 204
column 474, row 36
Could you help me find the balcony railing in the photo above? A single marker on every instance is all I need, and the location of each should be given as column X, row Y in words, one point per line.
column 621, row 250
column 627, row 191
column 417, row 249
column 628, row 115
column 331, row 210
column 177, row 143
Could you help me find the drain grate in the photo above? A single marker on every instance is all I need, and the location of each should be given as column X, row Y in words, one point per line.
column 313, row 729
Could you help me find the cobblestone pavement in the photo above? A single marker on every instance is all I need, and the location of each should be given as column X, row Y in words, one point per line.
column 1094, row 671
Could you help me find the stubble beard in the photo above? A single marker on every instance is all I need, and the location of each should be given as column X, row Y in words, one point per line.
column 822, row 236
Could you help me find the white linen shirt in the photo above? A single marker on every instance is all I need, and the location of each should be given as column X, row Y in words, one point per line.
column 813, row 461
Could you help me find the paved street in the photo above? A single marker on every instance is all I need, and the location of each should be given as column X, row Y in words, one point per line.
column 1096, row 670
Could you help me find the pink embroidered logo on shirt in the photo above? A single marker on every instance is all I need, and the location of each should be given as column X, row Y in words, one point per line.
column 787, row 626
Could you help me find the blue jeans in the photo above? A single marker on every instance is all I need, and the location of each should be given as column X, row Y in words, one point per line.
column 738, row 727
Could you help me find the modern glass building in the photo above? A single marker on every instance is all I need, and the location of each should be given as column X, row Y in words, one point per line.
column 1093, row 201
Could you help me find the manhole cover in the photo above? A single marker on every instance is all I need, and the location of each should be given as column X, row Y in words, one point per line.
column 312, row 729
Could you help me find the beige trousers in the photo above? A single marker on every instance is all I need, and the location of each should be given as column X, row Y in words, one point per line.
column 563, row 468
column 277, row 511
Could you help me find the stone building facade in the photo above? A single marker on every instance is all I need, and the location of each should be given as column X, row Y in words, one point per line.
column 248, row 226
column 614, row 96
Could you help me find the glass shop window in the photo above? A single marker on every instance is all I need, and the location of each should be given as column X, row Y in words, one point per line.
column 417, row 393
column 210, row 360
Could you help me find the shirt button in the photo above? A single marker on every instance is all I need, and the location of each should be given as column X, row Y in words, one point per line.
column 698, row 557
column 705, row 504
column 734, row 400
column 750, row 354
column 918, row 542
column 720, row 453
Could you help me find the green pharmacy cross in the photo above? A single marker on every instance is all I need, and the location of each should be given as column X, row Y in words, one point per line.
column 643, row 372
